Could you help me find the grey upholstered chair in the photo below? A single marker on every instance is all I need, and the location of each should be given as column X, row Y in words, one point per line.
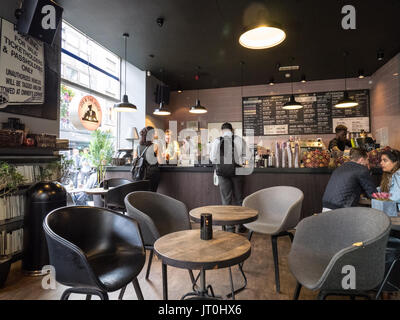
column 114, row 182
column 157, row 215
column 328, row 243
column 116, row 196
column 279, row 211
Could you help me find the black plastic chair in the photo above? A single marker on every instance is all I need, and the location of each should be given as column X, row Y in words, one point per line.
column 157, row 215
column 114, row 182
column 94, row 250
column 116, row 196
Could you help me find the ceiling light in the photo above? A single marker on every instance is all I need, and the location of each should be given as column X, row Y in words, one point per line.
column 262, row 37
column 198, row 108
column 125, row 105
column 346, row 102
column 380, row 55
column 361, row 74
column 162, row 110
column 292, row 104
column 303, row 78
column 271, row 82
column 396, row 74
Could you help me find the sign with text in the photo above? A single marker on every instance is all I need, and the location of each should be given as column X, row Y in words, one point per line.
column 87, row 115
column 266, row 116
column 21, row 67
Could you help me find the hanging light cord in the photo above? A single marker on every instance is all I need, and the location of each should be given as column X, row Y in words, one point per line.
column 241, row 77
column 126, row 37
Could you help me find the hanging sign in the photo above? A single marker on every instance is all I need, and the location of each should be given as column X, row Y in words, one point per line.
column 88, row 115
column 21, row 68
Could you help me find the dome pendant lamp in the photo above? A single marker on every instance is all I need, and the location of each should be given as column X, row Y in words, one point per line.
column 292, row 104
column 346, row 102
column 262, row 37
column 125, row 105
column 163, row 109
column 197, row 108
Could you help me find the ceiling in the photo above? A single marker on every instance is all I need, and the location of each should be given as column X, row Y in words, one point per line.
column 205, row 33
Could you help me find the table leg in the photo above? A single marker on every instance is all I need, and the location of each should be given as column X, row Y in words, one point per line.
column 165, row 281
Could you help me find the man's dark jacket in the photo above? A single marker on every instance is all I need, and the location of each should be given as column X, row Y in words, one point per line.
column 346, row 185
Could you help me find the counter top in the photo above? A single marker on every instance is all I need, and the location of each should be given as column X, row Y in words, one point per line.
column 211, row 169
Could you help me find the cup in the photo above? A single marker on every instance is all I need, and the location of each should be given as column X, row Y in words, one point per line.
column 206, row 232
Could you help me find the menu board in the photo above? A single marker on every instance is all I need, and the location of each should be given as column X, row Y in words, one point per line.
column 265, row 116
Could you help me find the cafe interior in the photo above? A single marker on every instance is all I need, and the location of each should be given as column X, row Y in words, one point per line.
column 113, row 119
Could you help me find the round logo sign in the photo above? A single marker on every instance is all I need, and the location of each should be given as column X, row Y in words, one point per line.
column 89, row 112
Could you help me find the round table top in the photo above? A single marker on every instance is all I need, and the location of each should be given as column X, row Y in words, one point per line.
column 225, row 215
column 97, row 190
column 185, row 249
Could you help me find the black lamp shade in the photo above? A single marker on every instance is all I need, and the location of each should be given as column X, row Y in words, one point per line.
column 125, row 105
column 292, row 104
column 162, row 110
column 198, row 108
column 346, row 102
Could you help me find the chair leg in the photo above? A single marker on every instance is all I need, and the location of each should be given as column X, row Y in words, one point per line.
column 385, row 279
column 89, row 292
column 276, row 263
column 121, row 294
column 191, row 277
column 149, row 263
column 291, row 236
column 138, row 291
column 322, row 295
column 164, row 281
column 250, row 235
column 297, row 291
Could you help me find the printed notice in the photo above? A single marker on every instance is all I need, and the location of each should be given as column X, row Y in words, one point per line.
column 276, row 129
column 21, row 68
column 355, row 124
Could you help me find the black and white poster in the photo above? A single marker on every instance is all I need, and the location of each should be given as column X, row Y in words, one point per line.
column 21, row 68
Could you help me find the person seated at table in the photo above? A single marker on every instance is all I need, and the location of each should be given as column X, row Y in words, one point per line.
column 348, row 182
column 390, row 183
column 81, row 198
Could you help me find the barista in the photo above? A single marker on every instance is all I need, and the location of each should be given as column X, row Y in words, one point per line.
column 340, row 142
column 172, row 151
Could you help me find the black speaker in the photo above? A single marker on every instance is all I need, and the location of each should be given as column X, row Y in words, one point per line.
column 39, row 19
column 162, row 94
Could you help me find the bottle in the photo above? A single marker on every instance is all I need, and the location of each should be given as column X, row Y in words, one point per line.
column 296, row 154
column 206, row 232
column 277, row 154
column 284, row 155
column 289, row 155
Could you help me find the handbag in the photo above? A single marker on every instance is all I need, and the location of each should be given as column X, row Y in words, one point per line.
column 139, row 167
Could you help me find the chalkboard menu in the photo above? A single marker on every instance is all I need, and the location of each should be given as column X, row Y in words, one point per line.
column 265, row 116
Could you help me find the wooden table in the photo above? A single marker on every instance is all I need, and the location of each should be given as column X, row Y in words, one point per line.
column 225, row 215
column 99, row 191
column 185, row 249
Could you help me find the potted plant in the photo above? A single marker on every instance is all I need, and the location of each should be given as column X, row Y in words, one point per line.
column 100, row 153
column 10, row 179
column 57, row 170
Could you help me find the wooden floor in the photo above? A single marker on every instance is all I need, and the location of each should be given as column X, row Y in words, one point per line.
column 259, row 269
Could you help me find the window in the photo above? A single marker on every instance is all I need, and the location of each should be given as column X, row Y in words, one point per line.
column 87, row 68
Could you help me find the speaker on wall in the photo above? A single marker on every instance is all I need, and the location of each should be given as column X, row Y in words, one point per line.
column 162, row 94
column 39, row 19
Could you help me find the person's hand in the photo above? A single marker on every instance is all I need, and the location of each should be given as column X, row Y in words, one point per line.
column 381, row 195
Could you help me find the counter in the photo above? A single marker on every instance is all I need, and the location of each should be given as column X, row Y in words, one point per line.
column 194, row 185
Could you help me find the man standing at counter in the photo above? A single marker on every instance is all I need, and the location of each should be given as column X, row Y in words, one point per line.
column 348, row 181
column 228, row 153
column 171, row 152
column 340, row 142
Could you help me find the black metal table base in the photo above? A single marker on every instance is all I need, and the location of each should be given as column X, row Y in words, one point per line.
column 204, row 293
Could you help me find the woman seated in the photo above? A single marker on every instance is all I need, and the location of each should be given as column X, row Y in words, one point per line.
column 390, row 163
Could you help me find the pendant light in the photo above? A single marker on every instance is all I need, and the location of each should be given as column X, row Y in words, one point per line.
column 163, row 109
column 292, row 104
column 262, row 37
column 198, row 108
column 346, row 102
column 125, row 105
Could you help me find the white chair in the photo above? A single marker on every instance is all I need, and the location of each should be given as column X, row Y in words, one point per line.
column 279, row 210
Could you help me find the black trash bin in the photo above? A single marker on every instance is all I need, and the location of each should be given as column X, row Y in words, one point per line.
column 42, row 198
